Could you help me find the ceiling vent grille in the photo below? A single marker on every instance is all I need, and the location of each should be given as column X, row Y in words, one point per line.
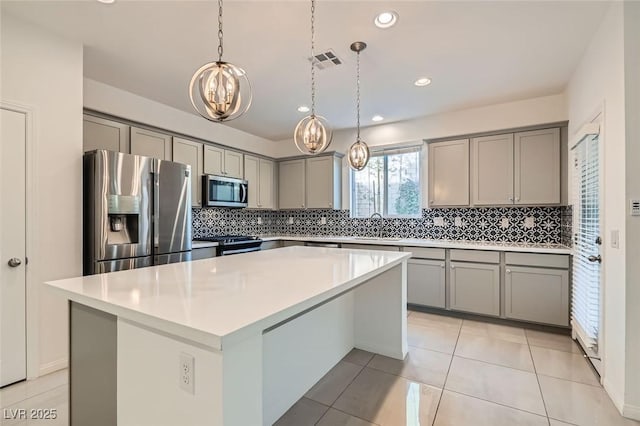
column 325, row 59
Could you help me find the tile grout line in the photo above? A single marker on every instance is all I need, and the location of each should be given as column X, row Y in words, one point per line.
column 444, row 385
column 544, row 403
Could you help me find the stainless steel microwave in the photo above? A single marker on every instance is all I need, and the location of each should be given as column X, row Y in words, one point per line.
column 220, row 191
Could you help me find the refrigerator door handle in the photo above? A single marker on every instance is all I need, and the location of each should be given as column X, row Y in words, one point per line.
column 156, row 209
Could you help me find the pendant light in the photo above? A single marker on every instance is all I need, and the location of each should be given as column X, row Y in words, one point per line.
column 358, row 155
column 312, row 134
column 220, row 91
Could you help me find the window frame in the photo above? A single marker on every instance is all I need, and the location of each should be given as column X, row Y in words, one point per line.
column 385, row 153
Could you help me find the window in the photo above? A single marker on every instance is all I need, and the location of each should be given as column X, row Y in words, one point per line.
column 389, row 185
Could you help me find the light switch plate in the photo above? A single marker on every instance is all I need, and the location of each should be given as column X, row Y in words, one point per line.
column 290, row 220
column 458, row 221
column 504, row 223
column 438, row 221
column 323, row 220
column 259, row 221
column 634, row 207
column 615, row 239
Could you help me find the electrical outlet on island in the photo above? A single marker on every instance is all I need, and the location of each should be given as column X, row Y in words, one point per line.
column 187, row 373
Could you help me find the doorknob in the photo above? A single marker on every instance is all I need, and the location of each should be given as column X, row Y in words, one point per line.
column 14, row 262
column 597, row 258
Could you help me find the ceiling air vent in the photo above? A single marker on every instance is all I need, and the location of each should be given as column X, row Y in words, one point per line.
column 326, row 59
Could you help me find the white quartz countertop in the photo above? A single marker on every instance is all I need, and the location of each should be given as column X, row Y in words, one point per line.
column 415, row 242
column 221, row 300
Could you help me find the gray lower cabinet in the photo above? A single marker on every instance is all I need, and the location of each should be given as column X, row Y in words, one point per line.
column 537, row 294
column 203, row 253
column 269, row 245
column 475, row 287
column 426, row 284
column 292, row 243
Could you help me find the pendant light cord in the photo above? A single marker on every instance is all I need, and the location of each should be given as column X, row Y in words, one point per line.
column 358, row 96
column 220, row 33
column 313, row 58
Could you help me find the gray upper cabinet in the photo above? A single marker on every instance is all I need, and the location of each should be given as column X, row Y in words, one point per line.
column 492, row 170
column 537, row 167
column 223, row 162
column 323, row 182
column 151, row 144
column 98, row 133
column 475, row 287
column 449, row 173
column 291, row 184
column 516, row 169
column 190, row 152
column 259, row 174
column 310, row 183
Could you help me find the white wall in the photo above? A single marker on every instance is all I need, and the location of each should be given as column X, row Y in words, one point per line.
column 598, row 83
column 44, row 72
column 111, row 100
column 632, row 104
column 528, row 112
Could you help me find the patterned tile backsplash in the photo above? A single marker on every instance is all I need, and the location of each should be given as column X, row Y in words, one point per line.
column 505, row 224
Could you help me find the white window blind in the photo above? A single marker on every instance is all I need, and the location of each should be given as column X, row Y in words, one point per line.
column 585, row 310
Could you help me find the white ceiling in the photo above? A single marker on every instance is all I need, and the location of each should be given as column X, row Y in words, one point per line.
column 477, row 52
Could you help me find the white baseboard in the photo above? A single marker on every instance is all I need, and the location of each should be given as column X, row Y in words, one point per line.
column 616, row 398
column 52, row 366
column 631, row 411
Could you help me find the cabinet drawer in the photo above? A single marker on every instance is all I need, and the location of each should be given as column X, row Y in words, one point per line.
column 475, row 287
column 370, row 247
column 537, row 294
column 475, row 256
column 425, row 252
column 535, row 259
column 426, row 282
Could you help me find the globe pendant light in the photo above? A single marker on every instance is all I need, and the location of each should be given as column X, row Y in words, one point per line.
column 312, row 134
column 358, row 155
column 220, row 91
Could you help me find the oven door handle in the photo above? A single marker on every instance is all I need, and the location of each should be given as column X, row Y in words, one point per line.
column 237, row 251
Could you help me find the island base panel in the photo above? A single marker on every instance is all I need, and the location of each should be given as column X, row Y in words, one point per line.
column 92, row 361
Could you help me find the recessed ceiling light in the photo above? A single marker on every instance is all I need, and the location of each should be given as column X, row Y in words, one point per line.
column 386, row 19
column 303, row 108
column 422, row 81
column 107, row 1
column 377, row 118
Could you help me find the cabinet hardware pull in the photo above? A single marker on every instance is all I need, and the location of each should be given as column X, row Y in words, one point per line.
column 510, row 198
column 442, row 265
column 508, row 271
column 517, row 198
column 453, row 266
column 431, row 201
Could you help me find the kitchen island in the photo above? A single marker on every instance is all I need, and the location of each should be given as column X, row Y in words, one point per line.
column 234, row 340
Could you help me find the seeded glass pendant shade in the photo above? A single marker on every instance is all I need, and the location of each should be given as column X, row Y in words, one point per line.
column 358, row 154
column 220, row 91
column 313, row 133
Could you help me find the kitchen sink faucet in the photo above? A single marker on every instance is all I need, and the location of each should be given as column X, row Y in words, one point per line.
column 380, row 228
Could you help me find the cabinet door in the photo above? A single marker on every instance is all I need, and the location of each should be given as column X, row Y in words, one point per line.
column 426, row 282
column 203, row 253
column 492, row 166
column 150, row 144
column 475, row 287
column 190, row 152
column 291, row 184
column 266, row 177
column 537, row 294
column 537, row 167
column 449, row 173
column 98, row 133
column 213, row 160
column 252, row 176
column 233, row 164
column 320, row 183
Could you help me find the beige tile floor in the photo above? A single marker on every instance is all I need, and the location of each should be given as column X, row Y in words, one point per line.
column 461, row 372
column 457, row 372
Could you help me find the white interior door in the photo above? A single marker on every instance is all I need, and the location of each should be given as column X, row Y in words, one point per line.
column 12, row 247
column 586, row 304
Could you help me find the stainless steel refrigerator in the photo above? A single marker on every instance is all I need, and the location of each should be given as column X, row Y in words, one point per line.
column 137, row 211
